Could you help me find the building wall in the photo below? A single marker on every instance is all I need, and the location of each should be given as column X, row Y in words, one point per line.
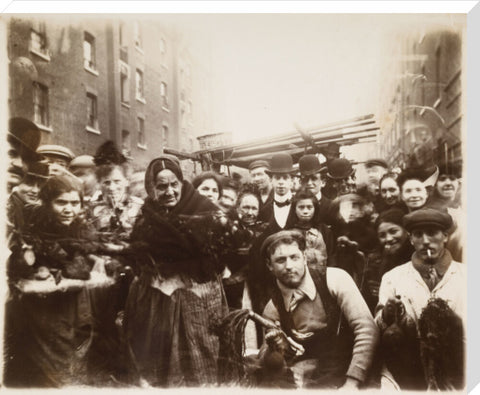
column 163, row 56
column 425, row 85
column 67, row 81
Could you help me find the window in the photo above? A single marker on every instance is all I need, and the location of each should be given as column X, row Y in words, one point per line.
column 121, row 34
column 165, row 135
column 139, row 85
column 141, row 131
column 124, row 83
column 123, row 43
column 164, row 94
column 137, row 34
column 438, row 63
column 89, row 51
column 92, row 114
column 40, row 104
column 126, row 143
column 38, row 41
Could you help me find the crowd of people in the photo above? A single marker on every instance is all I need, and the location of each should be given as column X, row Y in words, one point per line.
column 293, row 277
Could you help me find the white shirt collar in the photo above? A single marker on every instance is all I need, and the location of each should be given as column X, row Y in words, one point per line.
column 283, row 198
column 307, row 287
column 432, row 180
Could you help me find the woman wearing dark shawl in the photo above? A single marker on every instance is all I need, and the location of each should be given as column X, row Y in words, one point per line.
column 49, row 324
column 177, row 300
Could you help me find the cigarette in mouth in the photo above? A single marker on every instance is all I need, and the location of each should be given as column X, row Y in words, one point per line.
column 429, row 253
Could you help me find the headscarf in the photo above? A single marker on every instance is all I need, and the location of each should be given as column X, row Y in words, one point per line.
column 163, row 162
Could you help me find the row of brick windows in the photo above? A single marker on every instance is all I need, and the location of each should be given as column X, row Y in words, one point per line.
column 41, row 113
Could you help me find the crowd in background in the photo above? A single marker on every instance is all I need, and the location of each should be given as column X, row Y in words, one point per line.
column 149, row 264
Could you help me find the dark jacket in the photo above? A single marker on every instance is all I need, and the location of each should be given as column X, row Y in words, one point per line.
column 177, row 241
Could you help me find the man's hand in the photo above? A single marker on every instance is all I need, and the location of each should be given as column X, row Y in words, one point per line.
column 276, row 340
column 350, row 384
column 393, row 309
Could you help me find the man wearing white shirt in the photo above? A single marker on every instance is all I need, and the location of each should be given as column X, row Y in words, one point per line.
column 406, row 290
column 277, row 212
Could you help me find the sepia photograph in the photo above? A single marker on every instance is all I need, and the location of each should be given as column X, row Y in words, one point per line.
column 242, row 200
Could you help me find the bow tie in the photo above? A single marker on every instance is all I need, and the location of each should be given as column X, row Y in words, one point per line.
column 282, row 204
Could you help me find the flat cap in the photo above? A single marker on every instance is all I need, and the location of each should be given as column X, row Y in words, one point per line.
column 82, row 161
column 258, row 163
column 376, row 162
column 428, row 217
column 283, row 234
column 57, row 150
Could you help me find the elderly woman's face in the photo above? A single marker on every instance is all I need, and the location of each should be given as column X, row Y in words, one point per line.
column 168, row 188
column 114, row 186
column 209, row 189
column 66, row 207
column 248, row 209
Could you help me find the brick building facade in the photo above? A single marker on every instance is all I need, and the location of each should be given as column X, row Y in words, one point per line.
column 84, row 80
column 425, row 85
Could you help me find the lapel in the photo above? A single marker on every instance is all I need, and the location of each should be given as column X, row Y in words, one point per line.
column 452, row 269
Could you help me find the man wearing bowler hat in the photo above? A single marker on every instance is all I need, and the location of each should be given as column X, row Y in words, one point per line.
column 340, row 178
column 258, row 172
column 23, row 137
column 312, row 176
column 25, row 193
column 331, row 151
column 277, row 212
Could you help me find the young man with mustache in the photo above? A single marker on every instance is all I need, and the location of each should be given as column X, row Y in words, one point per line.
column 321, row 309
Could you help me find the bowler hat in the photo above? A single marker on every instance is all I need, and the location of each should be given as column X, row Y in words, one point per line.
column 82, row 161
column 332, row 148
column 340, row 168
column 258, row 163
column 281, row 163
column 56, row 150
column 451, row 169
column 309, row 164
column 428, row 217
column 38, row 170
column 376, row 162
column 24, row 132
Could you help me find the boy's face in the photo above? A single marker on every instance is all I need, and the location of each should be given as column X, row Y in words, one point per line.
column 282, row 183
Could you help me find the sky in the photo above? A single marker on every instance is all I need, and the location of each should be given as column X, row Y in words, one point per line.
column 271, row 72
